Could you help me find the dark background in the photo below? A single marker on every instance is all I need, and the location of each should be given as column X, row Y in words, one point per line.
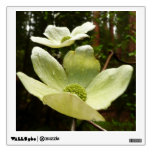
column 114, row 31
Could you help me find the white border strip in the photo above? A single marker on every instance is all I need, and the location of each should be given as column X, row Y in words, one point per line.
column 78, row 137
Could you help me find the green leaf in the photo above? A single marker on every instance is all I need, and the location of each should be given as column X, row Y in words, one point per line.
column 132, row 53
column 81, row 66
column 48, row 69
column 35, row 87
column 71, row 105
column 107, row 86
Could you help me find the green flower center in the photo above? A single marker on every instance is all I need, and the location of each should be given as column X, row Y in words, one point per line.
column 65, row 38
column 76, row 89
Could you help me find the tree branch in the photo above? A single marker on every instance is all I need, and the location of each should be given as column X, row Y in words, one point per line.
column 119, row 60
column 108, row 59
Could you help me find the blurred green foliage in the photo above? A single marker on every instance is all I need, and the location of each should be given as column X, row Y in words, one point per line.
column 117, row 33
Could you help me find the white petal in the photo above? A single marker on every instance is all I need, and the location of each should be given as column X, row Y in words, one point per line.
column 48, row 69
column 35, row 87
column 107, row 86
column 81, row 66
column 56, row 33
column 84, row 28
column 44, row 41
column 66, row 43
column 71, row 105
column 79, row 36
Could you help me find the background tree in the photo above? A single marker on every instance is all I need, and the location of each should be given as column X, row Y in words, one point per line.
column 96, row 21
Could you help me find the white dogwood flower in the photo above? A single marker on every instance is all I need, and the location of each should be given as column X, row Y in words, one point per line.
column 78, row 89
column 58, row 37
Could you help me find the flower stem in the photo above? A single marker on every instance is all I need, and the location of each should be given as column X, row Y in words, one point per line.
column 73, row 125
column 108, row 59
column 96, row 126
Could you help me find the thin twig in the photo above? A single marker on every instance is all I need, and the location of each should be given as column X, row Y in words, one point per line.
column 73, row 126
column 96, row 126
column 108, row 59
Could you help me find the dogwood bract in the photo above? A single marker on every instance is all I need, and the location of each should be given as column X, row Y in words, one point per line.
column 58, row 37
column 78, row 89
